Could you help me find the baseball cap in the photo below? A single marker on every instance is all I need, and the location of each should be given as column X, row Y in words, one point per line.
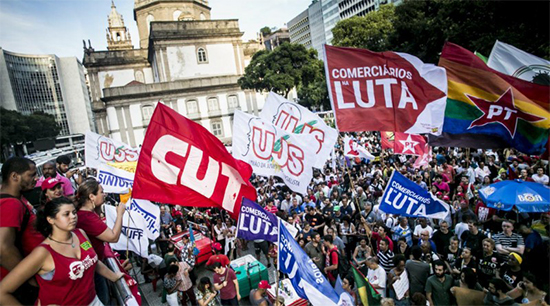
column 217, row 246
column 460, row 194
column 446, row 198
column 264, row 285
column 336, row 207
column 50, row 183
column 438, row 193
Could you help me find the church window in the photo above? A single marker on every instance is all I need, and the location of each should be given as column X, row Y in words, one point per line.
column 147, row 112
column 176, row 15
column 213, row 104
column 217, row 128
column 201, row 55
column 232, row 102
column 192, row 107
column 202, row 17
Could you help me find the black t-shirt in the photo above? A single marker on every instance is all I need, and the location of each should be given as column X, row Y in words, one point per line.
column 510, row 277
column 450, row 256
column 314, row 219
column 474, row 242
column 442, row 241
column 488, row 267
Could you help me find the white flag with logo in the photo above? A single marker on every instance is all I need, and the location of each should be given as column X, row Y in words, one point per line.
column 149, row 212
column 294, row 118
column 518, row 63
column 104, row 150
column 133, row 236
column 353, row 149
column 114, row 180
column 272, row 151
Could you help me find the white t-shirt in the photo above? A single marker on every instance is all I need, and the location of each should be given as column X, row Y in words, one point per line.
column 418, row 230
column 541, row 180
column 378, row 277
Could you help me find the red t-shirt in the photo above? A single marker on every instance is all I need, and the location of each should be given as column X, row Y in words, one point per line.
column 230, row 291
column 330, row 261
column 483, row 212
column 11, row 215
column 93, row 226
column 376, row 236
column 222, row 259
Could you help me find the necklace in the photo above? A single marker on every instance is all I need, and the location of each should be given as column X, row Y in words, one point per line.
column 67, row 243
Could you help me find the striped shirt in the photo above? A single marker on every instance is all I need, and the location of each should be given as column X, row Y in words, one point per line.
column 512, row 241
column 386, row 260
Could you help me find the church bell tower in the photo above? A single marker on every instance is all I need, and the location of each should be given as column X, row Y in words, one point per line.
column 118, row 36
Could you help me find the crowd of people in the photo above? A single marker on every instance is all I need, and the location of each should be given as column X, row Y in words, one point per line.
column 498, row 257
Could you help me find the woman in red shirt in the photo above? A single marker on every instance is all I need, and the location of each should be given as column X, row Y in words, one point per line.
column 65, row 261
column 90, row 197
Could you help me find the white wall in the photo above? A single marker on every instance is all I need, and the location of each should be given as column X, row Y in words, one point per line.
column 119, row 78
column 182, row 61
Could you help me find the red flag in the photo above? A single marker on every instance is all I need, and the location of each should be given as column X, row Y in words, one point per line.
column 183, row 163
column 424, row 159
column 409, row 144
column 384, row 91
column 387, row 140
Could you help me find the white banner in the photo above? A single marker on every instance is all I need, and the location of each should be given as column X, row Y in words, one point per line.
column 517, row 63
column 149, row 212
column 104, row 150
column 353, row 149
column 272, row 151
column 294, row 118
column 114, row 180
column 133, row 234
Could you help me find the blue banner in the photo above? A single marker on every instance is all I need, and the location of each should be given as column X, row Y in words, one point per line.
column 308, row 281
column 256, row 223
column 406, row 198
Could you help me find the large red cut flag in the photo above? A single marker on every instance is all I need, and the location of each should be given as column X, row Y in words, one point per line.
column 182, row 163
column 386, row 91
column 409, row 144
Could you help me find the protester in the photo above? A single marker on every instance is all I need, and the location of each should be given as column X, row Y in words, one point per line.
column 63, row 163
column 226, row 282
column 206, row 295
column 52, row 188
column 314, row 249
column 489, row 264
column 527, row 290
column 171, row 284
column 438, row 286
column 18, row 237
column 65, row 251
column 331, row 258
column 394, row 275
column 185, row 288
column 496, row 295
column 90, row 197
column 418, row 271
column 217, row 257
column 377, row 275
column 49, row 170
column 258, row 297
column 507, row 241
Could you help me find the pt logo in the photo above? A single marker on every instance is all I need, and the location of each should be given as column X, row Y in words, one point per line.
column 502, row 111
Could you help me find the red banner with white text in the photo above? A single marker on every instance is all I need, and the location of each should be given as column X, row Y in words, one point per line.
column 182, row 163
column 409, row 144
column 386, row 91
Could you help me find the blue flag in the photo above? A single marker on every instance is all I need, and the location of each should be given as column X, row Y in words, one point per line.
column 256, row 223
column 308, row 281
column 406, row 198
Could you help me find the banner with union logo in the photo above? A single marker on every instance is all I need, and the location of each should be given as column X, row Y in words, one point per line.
column 273, row 151
column 182, row 163
column 101, row 150
column 386, row 91
column 294, row 118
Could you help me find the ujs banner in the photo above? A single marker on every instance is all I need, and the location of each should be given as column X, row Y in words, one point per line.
column 406, row 198
column 101, row 150
column 294, row 118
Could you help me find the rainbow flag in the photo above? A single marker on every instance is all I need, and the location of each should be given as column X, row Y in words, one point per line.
column 488, row 109
column 367, row 294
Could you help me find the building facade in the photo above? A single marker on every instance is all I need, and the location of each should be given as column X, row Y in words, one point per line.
column 299, row 29
column 57, row 86
column 186, row 61
column 276, row 39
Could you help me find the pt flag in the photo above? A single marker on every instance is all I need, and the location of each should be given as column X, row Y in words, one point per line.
column 386, row 91
column 353, row 149
column 406, row 198
column 294, row 118
column 488, row 109
column 409, row 144
column 183, row 163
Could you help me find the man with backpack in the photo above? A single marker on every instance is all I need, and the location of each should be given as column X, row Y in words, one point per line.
column 17, row 234
column 331, row 259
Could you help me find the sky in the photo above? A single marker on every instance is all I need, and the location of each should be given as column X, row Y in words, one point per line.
column 59, row 26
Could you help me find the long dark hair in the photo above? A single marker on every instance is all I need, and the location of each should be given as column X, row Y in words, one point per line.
column 50, row 210
column 202, row 284
column 85, row 189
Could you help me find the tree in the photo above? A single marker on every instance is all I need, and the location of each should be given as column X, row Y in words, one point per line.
column 369, row 32
column 18, row 128
column 286, row 67
column 421, row 28
column 265, row 31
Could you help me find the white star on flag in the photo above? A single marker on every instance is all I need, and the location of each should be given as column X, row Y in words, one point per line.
column 409, row 144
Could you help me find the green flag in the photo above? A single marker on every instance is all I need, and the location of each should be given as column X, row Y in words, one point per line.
column 481, row 56
column 367, row 294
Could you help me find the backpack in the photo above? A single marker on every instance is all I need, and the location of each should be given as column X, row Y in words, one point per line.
column 343, row 265
column 26, row 216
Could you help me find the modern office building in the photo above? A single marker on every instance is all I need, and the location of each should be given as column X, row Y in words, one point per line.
column 276, row 39
column 57, row 86
column 317, row 21
column 185, row 60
